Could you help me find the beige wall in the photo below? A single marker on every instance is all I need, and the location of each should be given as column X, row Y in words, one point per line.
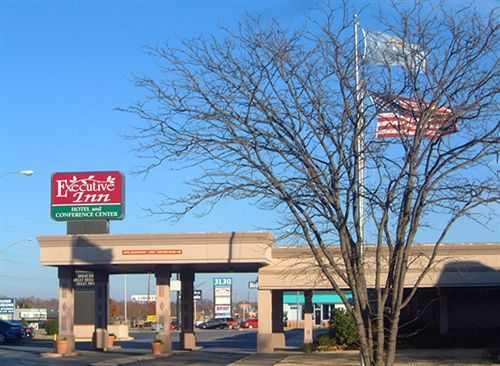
column 84, row 331
column 137, row 249
column 455, row 265
column 285, row 268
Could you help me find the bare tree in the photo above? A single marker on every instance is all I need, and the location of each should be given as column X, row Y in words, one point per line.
column 274, row 115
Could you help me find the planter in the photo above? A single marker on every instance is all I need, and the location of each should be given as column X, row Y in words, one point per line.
column 111, row 341
column 157, row 348
column 62, row 346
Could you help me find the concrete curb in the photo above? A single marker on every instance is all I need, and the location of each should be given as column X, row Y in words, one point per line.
column 58, row 355
column 127, row 360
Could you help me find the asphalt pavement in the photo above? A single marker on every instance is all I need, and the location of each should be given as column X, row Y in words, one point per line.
column 220, row 347
column 217, row 347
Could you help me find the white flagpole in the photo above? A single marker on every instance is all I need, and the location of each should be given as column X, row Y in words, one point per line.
column 360, row 168
column 360, row 151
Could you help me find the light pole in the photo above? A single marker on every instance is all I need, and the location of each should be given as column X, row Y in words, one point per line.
column 27, row 173
column 126, row 297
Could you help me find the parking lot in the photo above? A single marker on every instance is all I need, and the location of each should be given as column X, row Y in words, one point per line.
column 220, row 347
column 217, row 347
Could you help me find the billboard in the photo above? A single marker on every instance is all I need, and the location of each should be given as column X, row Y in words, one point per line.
column 7, row 305
column 222, row 311
column 222, row 291
column 87, row 196
column 224, row 300
column 30, row 314
column 143, row 298
column 222, row 297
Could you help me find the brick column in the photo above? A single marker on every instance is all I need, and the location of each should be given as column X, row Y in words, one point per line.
column 265, row 334
column 308, row 317
column 188, row 338
column 277, row 319
column 163, row 308
column 67, row 306
column 100, row 336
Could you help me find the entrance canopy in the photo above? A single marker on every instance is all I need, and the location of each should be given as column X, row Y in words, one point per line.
column 142, row 253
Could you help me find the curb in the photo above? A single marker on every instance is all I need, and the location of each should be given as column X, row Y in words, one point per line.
column 127, row 360
column 58, row 355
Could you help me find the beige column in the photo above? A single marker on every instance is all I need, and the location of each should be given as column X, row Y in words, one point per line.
column 100, row 336
column 277, row 319
column 443, row 310
column 308, row 317
column 265, row 334
column 67, row 306
column 188, row 338
column 163, row 308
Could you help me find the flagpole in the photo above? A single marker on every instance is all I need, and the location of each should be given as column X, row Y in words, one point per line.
column 360, row 158
column 359, row 144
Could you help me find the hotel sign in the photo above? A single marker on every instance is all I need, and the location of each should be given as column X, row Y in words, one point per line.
column 87, row 196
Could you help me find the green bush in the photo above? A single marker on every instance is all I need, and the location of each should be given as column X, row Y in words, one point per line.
column 343, row 329
column 325, row 341
column 52, row 327
column 307, row 347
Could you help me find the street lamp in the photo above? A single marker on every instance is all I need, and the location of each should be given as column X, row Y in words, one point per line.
column 27, row 173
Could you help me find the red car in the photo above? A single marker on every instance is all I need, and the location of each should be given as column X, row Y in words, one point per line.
column 250, row 323
column 231, row 323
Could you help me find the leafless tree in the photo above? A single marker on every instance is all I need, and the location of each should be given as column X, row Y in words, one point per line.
column 272, row 114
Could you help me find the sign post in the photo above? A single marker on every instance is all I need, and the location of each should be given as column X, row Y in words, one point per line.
column 222, row 297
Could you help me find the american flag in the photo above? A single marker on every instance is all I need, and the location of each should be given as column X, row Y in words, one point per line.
column 399, row 117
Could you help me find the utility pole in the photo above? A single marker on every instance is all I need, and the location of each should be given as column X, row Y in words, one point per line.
column 125, row 296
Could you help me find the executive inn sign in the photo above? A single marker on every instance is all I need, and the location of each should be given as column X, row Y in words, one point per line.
column 87, row 196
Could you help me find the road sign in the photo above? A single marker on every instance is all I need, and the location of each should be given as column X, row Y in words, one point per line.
column 7, row 305
column 223, row 281
column 197, row 295
column 222, row 297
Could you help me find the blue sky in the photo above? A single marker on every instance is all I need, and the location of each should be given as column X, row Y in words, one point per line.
column 64, row 67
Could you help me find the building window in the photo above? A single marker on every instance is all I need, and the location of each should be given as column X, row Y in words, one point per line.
column 326, row 312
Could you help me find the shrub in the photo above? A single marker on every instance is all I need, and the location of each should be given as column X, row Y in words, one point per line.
column 324, row 341
column 52, row 327
column 307, row 347
column 343, row 329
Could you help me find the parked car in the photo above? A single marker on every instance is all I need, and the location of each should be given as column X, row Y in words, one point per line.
column 157, row 327
column 214, row 323
column 174, row 325
column 10, row 331
column 29, row 331
column 231, row 323
column 250, row 323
